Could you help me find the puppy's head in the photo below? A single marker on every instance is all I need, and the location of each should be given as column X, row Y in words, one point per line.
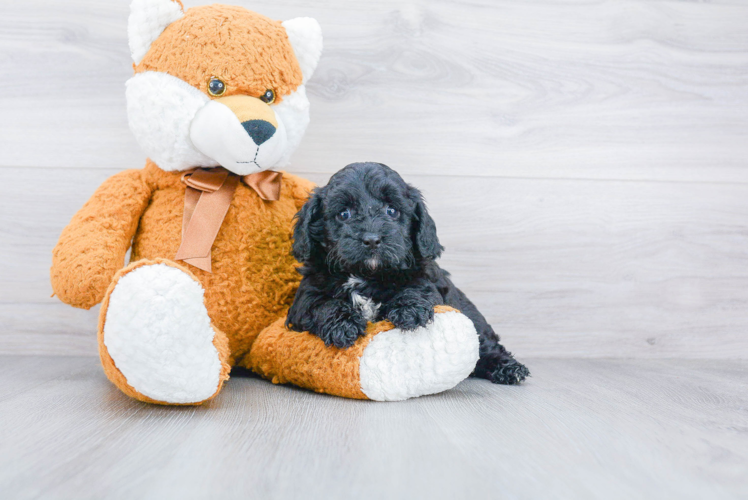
column 365, row 220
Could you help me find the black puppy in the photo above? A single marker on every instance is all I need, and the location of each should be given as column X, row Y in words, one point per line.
column 368, row 247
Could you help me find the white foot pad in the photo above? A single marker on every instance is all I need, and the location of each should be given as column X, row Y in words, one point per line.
column 398, row 365
column 158, row 333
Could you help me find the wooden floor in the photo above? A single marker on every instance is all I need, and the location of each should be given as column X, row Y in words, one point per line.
column 578, row 429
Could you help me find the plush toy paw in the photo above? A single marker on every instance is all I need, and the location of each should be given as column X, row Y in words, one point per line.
column 398, row 364
column 157, row 332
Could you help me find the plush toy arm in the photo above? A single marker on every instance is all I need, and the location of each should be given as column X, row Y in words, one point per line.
column 386, row 364
column 298, row 187
column 92, row 247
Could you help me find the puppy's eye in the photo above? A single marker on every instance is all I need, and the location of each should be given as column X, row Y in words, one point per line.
column 393, row 212
column 344, row 215
column 268, row 96
column 216, row 87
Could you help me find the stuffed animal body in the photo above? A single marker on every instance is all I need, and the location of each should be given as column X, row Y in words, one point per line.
column 218, row 98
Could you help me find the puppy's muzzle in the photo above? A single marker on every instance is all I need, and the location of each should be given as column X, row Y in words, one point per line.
column 371, row 240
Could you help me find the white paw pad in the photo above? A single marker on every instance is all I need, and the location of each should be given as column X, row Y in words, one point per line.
column 158, row 333
column 398, row 365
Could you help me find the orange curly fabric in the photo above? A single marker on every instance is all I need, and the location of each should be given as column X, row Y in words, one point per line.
column 254, row 275
column 302, row 359
column 93, row 246
column 248, row 51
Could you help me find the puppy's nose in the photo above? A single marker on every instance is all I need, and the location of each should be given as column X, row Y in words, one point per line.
column 372, row 240
column 259, row 130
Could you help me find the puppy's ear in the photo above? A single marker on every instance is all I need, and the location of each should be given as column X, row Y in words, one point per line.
column 309, row 229
column 423, row 230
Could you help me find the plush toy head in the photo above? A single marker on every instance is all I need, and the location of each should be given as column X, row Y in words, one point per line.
column 218, row 85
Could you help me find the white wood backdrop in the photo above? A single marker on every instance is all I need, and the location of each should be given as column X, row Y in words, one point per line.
column 586, row 161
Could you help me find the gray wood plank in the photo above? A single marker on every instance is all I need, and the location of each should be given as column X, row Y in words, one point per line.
column 560, row 268
column 578, row 429
column 49, row 328
column 623, row 90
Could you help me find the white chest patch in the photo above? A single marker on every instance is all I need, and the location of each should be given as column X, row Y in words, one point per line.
column 368, row 308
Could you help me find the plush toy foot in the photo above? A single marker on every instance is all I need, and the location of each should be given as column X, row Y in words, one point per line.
column 156, row 340
column 387, row 364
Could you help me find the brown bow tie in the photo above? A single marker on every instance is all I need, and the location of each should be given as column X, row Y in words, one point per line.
column 206, row 200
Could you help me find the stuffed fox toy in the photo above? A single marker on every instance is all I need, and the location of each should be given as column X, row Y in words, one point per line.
column 217, row 103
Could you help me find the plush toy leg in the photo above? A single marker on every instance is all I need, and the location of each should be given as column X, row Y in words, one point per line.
column 156, row 341
column 386, row 364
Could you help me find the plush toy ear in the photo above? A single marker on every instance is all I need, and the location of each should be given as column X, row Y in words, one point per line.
column 305, row 35
column 148, row 19
column 309, row 231
column 423, row 231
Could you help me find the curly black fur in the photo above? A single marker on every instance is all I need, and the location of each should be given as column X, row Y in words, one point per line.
column 368, row 247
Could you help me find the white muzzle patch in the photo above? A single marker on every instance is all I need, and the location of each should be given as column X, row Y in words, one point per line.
column 217, row 133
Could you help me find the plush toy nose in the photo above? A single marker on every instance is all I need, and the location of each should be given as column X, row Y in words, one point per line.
column 256, row 117
column 372, row 240
column 259, row 130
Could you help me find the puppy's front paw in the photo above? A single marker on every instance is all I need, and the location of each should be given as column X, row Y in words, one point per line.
column 411, row 316
column 342, row 332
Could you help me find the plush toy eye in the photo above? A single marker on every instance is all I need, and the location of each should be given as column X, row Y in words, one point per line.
column 344, row 215
column 393, row 212
column 268, row 96
column 216, row 87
